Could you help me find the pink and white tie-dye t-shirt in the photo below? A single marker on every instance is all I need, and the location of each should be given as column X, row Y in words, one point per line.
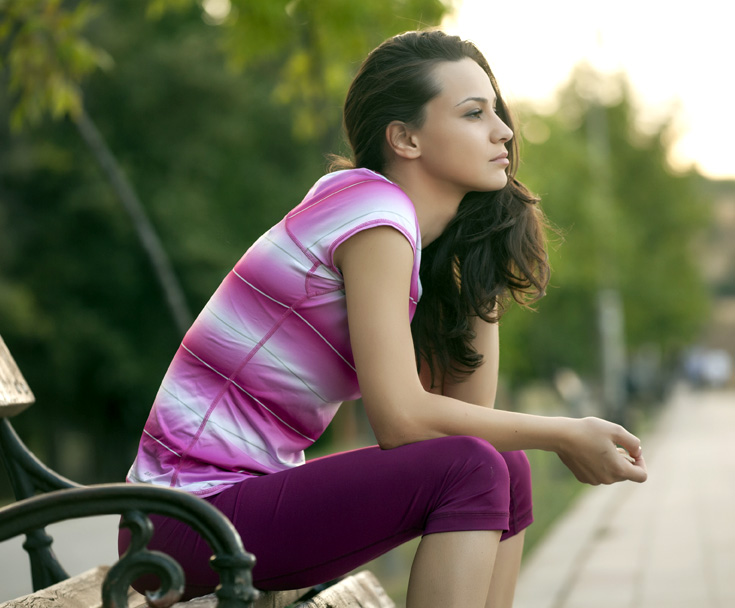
column 266, row 364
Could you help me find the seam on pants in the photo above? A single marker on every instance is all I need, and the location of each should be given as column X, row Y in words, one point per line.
column 462, row 514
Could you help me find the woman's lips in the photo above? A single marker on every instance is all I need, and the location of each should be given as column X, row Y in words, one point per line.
column 501, row 158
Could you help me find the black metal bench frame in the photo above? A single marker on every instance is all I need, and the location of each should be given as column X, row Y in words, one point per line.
column 44, row 497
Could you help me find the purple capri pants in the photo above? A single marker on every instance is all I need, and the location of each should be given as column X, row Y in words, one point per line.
column 319, row 521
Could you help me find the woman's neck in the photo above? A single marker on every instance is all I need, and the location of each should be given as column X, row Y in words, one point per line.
column 435, row 206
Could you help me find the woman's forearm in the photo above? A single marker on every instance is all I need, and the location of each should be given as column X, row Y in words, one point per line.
column 438, row 415
column 587, row 446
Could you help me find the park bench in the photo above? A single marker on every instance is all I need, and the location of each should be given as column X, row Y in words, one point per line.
column 44, row 497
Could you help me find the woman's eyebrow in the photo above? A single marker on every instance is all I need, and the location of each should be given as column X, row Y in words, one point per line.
column 483, row 100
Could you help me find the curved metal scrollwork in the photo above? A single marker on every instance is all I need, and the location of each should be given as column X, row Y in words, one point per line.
column 232, row 586
column 137, row 561
column 28, row 475
column 231, row 561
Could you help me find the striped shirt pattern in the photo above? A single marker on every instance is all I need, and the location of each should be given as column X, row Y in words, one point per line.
column 263, row 369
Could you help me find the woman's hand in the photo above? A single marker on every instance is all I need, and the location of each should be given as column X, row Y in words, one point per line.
column 591, row 451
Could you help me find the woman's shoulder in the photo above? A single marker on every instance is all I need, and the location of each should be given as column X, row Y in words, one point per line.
column 345, row 202
column 347, row 178
column 352, row 188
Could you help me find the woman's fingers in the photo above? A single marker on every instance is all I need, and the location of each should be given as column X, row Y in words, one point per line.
column 629, row 442
column 624, row 453
column 635, row 469
column 604, row 453
column 630, row 448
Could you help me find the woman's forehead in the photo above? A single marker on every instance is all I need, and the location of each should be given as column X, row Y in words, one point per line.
column 463, row 80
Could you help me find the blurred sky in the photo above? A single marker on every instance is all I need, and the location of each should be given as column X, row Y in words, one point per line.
column 677, row 55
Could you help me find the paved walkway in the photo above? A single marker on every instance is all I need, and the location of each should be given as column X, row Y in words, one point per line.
column 668, row 543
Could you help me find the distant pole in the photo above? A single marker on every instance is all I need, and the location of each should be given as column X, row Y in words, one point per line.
column 610, row 314
column 612, row 349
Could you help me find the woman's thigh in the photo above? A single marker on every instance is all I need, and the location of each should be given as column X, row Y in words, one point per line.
column 316, row 522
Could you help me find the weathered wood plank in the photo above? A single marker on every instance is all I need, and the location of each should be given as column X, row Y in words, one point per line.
column 359, row 591
column 81, row 591
column 267, row 599
column 15, row 394
column 84, row 591
column 278, row 599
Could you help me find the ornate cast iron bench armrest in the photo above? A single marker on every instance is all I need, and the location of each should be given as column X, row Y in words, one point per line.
column 230, row 560
column 65, row 499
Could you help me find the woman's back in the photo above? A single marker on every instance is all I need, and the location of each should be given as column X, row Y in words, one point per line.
column 265, row 366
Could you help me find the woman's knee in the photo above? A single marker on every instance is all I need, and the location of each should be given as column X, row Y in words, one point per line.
column 519, row 470
column 518, row 465
column 521, row 493
column 473, row 486
column 471, row 457
column 471, row 448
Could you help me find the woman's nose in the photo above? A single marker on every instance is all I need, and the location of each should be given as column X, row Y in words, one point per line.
column 502, row 132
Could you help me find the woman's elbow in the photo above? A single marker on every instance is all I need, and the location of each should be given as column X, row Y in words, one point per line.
column 387, row 435
column 396, row 433
column 397, row 420
column 390, row 441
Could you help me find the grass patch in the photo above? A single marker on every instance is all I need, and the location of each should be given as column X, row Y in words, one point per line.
column 554, row 488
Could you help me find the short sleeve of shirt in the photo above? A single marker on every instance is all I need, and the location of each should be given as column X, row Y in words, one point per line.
column 344, row 203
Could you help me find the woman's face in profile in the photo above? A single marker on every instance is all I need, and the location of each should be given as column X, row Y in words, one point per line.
column 462, row 140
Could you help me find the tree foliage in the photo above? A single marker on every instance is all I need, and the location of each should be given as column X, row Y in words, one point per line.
column 313, row 46
column 212, row 156
column 47, row 57
column 625, row 221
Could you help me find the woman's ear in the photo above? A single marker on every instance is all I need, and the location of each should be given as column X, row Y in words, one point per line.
column 401, row 141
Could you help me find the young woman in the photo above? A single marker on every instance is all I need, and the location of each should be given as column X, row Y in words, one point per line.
column 319, row 310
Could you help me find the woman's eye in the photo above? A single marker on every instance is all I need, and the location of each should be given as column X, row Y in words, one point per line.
column 475, row 114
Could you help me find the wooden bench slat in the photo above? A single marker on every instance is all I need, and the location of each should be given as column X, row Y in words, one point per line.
column 81, row 591
column 278, row 599
column 15, row 394
column 267, row 599
column 84, row 591
column 359, row 591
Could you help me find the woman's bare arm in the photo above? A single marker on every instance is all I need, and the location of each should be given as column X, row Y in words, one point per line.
column 481, row 386
column 376, row 265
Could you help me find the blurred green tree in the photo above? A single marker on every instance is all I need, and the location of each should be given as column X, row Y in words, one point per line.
column 627, row 221
column 211, row 153
column 47, row 58
column 312, row 46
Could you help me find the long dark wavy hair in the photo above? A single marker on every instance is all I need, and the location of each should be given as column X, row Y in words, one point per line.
column 494, row 250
